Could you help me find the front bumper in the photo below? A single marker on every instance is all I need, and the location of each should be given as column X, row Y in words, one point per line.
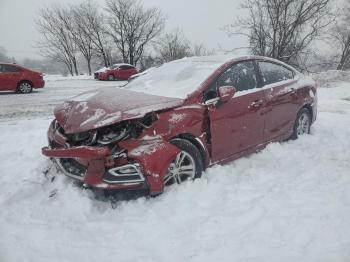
column 39, row 83
column 94, row 172
column 137, row 164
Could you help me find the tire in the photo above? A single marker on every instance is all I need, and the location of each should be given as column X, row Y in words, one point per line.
column 190, row 156
column 110, row 78
column 24, row 87
column 302, row 124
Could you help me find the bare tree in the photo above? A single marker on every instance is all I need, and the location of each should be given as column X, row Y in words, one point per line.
column 173, row 46
column 132, row 27
column 341, row 33
column 201, row 50
column 3, row 57
column 57, row 42
column 91, row 24
column 283, row 29
column 74, row 25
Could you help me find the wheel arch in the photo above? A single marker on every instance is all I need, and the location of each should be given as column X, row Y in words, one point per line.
column 24, row 81
column 309, row 108
column 198, row 144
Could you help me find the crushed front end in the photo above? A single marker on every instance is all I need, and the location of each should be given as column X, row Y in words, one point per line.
column 117, row 157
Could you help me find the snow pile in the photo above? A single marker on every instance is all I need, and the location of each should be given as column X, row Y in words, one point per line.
column 65, row 78
column 330, row 78
column 290, row 202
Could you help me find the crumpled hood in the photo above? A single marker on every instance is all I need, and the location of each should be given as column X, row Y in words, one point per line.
column 94, row 109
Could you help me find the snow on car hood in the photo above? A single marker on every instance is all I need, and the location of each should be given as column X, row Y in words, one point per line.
column 95, row 109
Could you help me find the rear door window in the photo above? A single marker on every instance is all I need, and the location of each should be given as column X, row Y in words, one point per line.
column 9, row 69
column 274, row 73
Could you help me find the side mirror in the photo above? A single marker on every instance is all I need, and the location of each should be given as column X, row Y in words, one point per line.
column 226, row 93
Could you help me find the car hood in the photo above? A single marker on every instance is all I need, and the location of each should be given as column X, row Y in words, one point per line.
column 94, row 109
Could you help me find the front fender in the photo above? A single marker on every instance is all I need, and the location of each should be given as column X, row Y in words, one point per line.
column 155, row 157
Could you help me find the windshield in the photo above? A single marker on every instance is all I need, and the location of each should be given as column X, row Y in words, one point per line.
column 176, row 79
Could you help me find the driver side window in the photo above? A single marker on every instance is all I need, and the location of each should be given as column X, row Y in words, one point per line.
column 241, row 75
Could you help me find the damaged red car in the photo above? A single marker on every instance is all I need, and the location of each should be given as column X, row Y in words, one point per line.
column 171, row 124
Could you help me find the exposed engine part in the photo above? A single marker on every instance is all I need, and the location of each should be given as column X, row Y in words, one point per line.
column 110, row 134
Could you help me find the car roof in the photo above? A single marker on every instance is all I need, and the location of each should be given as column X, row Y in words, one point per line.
column 122, row 64
column 223, row 59
column 13, row 64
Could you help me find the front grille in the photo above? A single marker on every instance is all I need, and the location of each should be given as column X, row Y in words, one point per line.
column 96, row 75
column 72, row 168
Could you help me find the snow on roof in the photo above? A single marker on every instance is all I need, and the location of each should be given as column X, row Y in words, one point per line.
column 179, row 78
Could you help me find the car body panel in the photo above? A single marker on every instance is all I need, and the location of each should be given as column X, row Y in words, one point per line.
column 99, row 108
column 244, row 125
column 221, row 131
column 10, row 80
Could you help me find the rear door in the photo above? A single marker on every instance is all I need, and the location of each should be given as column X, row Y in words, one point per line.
column 280, row 89
column 239, row 123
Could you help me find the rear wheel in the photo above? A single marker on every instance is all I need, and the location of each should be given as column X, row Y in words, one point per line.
column 24, row 87
column 110, row 77
column 187, row 165
column 302, row 123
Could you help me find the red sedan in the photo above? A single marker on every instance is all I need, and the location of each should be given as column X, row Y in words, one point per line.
column 116, row 72
column 172, row 123
column 19, row 79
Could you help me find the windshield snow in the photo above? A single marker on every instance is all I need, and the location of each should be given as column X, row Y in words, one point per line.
column 177, row 79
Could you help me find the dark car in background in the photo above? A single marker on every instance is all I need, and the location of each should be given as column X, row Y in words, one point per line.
column 19, row 79
column 116, row 72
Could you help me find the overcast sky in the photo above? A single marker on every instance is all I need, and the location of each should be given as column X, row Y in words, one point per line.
column 200, row 20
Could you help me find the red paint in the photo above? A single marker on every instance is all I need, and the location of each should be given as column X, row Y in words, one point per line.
column 222, row 130
column 116, row 72
column 9, row 81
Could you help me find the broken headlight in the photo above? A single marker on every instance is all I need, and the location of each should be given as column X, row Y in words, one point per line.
column 124, row 130
column 112, row 135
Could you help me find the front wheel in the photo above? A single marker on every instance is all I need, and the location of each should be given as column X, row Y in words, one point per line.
column 187, row 165
column 302, row 123
column 111, row 78
column 25, row 87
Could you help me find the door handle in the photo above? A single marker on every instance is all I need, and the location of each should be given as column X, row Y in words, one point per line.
column 256, row 104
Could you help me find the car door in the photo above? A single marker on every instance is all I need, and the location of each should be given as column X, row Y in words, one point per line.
column 3, row 81
column 121, row 72
column 10, row 76
column 280, row 89
column 239, row 123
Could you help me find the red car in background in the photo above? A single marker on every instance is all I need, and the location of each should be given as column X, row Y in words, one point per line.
column 116, row 72
column 172, row 123
column 19, row 79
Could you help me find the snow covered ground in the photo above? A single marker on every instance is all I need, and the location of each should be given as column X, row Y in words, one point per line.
column 290, row 202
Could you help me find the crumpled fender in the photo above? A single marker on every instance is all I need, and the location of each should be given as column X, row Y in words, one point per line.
column 155, row 157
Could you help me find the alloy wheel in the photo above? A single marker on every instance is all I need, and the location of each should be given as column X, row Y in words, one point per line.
column 182, row 168
column 303, row 124
column 25, row 87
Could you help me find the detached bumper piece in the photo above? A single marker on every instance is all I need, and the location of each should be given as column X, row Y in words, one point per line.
column 127, row 174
